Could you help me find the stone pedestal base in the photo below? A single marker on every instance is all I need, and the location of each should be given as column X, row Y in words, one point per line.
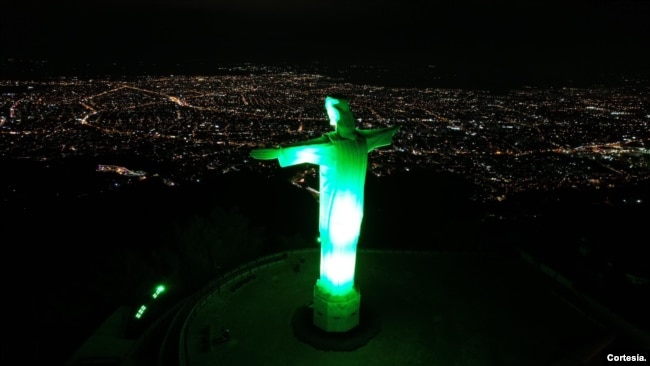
column 336, row 313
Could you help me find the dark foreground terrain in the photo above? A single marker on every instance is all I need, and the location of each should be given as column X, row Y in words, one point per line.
column 78, row 243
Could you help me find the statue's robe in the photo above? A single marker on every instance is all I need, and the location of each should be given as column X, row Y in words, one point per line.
column 342, row 167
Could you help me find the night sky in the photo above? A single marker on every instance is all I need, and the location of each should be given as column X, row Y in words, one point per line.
column 597, row 34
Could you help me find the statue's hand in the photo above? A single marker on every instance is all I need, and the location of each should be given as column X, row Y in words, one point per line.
column 266, row 154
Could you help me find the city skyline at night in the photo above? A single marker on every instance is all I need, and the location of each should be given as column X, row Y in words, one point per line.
column 125, row 160
column 528, row 139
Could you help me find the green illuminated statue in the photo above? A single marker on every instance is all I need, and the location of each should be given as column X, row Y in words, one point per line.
column 342, row 157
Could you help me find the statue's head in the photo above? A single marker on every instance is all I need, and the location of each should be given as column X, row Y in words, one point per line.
column 338, row 110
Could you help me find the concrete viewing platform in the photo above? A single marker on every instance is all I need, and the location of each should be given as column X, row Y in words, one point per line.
column 430, row 308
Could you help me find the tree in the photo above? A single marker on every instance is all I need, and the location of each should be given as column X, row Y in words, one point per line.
column 207, row 244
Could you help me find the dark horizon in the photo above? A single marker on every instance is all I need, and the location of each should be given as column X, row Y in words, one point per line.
column 462, row 73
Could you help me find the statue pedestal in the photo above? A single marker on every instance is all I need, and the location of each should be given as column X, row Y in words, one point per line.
column 336, row 313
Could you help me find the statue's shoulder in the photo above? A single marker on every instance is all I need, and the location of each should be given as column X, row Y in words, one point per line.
column 332, row 136
column 378, row 131
column 365, row 133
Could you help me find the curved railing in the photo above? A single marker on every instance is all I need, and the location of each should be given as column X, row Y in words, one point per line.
column 241, row 273
column 204, row 295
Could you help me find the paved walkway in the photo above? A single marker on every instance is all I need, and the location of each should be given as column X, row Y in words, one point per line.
column 435, row 309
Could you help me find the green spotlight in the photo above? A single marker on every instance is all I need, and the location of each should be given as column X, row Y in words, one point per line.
column 159, row 290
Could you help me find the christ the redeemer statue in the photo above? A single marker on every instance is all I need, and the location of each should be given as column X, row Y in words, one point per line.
column 342, row 157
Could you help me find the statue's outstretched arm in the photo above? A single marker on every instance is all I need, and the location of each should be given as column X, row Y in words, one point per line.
column 315, row 141
column 266, row 154
column 379, row 137
column 295, row 153
column 312, row 153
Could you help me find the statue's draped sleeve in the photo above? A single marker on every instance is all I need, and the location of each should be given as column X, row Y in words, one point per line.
column 379, row 137
column 318, row 151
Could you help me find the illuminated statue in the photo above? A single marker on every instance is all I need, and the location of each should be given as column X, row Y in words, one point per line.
column 342, row 157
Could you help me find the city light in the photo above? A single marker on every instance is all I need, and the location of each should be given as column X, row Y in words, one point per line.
column 524, row 134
